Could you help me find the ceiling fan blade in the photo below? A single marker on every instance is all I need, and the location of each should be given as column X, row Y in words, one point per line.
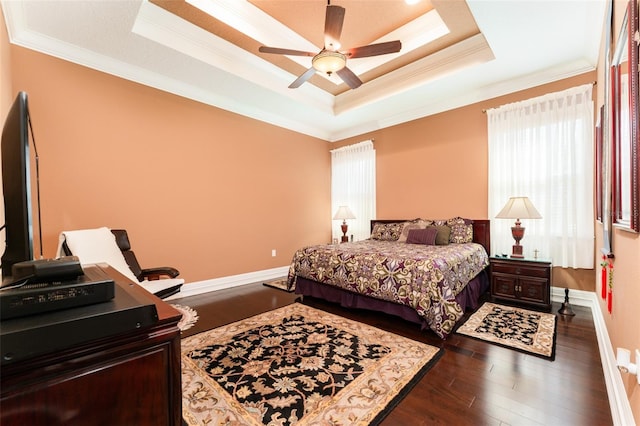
column 375, row 49
column 279, row 51
column 304, row 77
column 349, row 77
column 333, row 21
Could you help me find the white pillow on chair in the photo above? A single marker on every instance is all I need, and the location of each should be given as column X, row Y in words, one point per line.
column 96, row 246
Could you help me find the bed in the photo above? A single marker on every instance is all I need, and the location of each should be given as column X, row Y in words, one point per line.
column 403, row 270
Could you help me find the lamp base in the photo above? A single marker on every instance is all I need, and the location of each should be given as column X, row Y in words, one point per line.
column 517, row 232
column 516, row 251
column 344, row 228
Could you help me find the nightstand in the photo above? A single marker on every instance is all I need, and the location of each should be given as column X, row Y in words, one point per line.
column 523, row 281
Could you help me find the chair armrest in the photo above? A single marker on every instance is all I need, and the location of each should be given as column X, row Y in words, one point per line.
column 156, row 273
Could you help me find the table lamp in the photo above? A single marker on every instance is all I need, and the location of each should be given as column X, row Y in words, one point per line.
column 518, row 208
column 344, row 213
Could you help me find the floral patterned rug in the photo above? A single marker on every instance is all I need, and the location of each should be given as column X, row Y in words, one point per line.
column 298, row 365
column 280, row 284
column 517, row 328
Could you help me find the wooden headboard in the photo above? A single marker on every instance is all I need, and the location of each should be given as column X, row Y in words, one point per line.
column 481, row 230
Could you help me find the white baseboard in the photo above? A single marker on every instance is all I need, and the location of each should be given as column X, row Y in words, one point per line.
column 618, row 400
column 200, row 287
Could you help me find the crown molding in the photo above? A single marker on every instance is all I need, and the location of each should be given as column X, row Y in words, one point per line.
column 472, row 51
column 460, row 99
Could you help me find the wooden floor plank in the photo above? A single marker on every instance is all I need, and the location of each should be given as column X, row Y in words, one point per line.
column 474, row 383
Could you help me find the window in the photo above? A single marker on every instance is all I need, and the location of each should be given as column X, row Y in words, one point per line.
column 542, row 148
column 353, row 184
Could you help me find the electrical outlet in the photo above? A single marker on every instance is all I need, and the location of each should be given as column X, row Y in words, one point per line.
column 273, row 253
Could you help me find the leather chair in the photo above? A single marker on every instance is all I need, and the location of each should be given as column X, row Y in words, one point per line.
column 161, row 281
column 122, row 239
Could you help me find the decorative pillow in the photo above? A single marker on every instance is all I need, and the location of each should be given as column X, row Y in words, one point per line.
column 443, row 233
column 407, row 226
column 461, row 230
column 387, row 231
column 425, row 236
column 423, row 222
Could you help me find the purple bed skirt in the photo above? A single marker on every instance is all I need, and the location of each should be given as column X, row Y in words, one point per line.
column 468, row 298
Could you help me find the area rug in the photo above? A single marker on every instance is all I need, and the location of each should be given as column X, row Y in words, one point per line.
column 298, row 365
column 529, row 331
column 280, row 284
column 189, row 316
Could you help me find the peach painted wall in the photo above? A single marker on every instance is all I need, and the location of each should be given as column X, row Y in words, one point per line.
column 205, row 190
column 437, row 166
column 5, row 69
column 623, row 323
column 412, row 158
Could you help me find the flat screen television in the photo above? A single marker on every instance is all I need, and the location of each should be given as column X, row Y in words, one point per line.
column 16, row 186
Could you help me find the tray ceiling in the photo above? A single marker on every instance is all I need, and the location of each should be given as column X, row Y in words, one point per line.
column 454, row 52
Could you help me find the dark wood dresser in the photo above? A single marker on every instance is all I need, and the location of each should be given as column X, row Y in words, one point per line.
column 523, row 281
column 129, row 377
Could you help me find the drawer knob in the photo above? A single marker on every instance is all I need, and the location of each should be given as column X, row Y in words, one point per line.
column 518, row 271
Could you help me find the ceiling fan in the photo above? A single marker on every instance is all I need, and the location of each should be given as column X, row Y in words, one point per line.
column 330, row 59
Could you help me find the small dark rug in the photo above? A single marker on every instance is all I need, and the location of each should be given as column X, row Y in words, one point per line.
column 298, row 365
column 280, row 284
column 529, row 331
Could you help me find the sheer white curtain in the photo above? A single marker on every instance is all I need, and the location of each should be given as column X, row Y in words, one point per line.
column 353, row 184
column 542, row 148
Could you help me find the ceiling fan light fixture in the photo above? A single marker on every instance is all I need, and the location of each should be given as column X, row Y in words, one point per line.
column 329, row 62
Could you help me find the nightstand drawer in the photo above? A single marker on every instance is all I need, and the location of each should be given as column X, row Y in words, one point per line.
column 529, row 271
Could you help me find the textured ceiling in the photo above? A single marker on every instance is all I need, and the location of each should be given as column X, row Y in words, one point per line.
column 454, row 52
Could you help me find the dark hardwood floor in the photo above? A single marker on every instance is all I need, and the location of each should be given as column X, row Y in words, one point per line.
column 474, row 383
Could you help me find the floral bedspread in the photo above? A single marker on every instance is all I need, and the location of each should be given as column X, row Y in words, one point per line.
column 426, row 278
